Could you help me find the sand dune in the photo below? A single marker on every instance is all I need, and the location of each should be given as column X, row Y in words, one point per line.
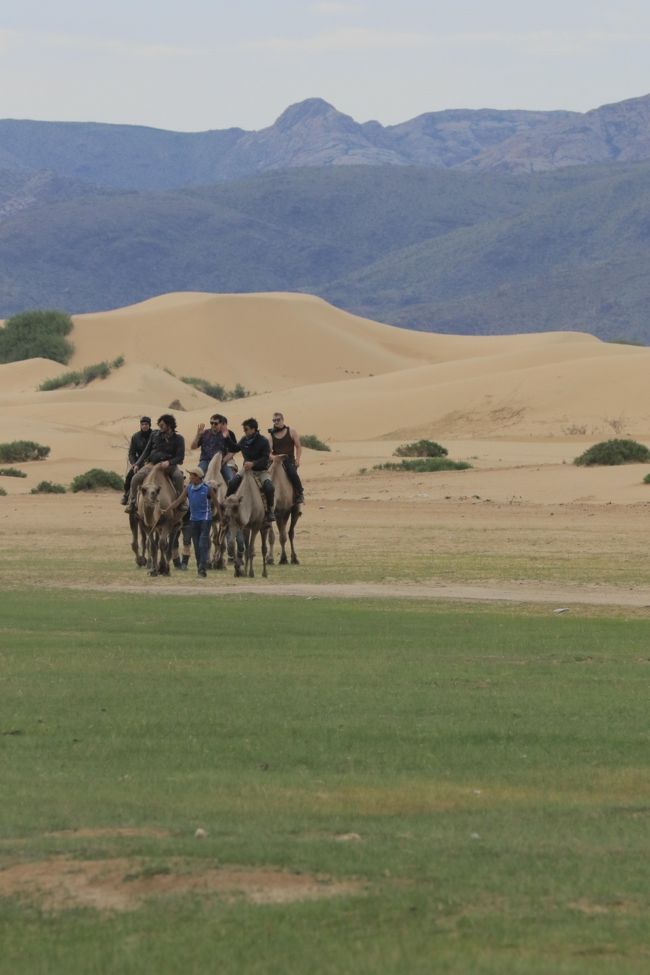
column 347, row 379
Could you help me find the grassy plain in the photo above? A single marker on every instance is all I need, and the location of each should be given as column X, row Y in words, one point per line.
column 479, row 777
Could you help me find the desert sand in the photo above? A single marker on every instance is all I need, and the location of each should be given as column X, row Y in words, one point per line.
column 518, row 408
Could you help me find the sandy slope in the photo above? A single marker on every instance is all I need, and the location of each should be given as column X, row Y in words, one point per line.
column 361, row 385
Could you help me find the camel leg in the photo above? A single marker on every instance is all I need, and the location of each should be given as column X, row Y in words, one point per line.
column 251, row 553
column 271, row 543
column 282, row 531
column 295, row 515
column 264, row 533
column 153, row 553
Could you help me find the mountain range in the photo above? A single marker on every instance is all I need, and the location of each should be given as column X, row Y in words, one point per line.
column 314, row 133
column 508, row 221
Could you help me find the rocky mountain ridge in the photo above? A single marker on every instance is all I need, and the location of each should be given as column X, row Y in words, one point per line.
column 314, row 133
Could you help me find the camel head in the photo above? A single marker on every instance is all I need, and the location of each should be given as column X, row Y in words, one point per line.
column 150, row 493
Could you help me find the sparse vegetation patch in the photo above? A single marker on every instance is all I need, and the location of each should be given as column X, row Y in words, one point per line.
column 22, row 450
column 11, row 472
column 97, row 479
column 423, row 465
column 48, row 487
column 81, row 377
column 36, row 334
column 421, row 448
column 216, row 390
column 612, row 452
column 312, row 442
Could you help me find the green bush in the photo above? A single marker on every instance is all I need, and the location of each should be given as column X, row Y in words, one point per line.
column 3, row 493
column 423, row 465
column 646, row 479
column 612, row 452
column 22, row 450
column 118, row 362
column 421, row 448
column 96, row 479
column 11, row 472
column 313, row 442
column 216, row 390
column 33, row 334
column 80, row 377
column 48, row 487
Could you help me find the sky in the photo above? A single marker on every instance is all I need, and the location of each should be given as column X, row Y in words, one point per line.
column 192, row 65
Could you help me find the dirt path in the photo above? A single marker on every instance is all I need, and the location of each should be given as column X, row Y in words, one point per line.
column 559, row 597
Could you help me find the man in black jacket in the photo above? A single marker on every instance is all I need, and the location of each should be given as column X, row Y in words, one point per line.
column 139, row 441
column 256, row 452
column 167, row 448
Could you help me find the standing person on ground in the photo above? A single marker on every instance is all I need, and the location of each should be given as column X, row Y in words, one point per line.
column 255, row 450
column 285, row 443
column 137, row 446
column 167, row 448
column 199, row 496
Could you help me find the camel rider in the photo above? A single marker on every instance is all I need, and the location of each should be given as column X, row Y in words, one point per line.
column 167, row 448
column 285, row 443
column 255, row 451
column 214, row 441
column 139, row 441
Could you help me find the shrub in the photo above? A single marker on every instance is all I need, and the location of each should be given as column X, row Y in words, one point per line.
column 95, row 479
column 3, row 493
column 80, row 377
column 423, row 465
column 118, row 362
column 36, row 333
column 22, row 450
column 11, row 472
column 612, row 452
column 313, row 442
column 646, row 479
column 216, row 390
column 48, row 487
column 421, row 448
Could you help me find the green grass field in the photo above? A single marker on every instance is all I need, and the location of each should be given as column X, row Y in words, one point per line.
column 493, row 762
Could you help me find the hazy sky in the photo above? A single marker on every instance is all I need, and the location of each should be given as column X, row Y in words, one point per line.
column 206, row 64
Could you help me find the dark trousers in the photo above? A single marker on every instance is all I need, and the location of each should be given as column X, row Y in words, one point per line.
column 293, row 475
column 201, row 539
column 127, row 480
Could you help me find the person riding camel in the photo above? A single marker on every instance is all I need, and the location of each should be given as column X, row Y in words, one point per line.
column 256, row 453
column 215, row 441
column 167, row 448
column 285, row 443
column 139, row 441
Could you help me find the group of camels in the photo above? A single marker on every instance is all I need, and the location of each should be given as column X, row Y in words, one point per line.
column 155, row 529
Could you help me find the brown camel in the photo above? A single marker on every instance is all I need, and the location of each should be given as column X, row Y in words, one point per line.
column 214, row 478
column 286, row 513
column 245, row 509
column 161, row 528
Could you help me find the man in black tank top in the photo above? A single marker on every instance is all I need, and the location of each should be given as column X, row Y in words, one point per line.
column 285, row 442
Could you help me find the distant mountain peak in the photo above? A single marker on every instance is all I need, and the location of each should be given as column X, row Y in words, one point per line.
column 300, row 112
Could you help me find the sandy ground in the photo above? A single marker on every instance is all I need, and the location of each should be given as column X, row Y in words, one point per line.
column 523, row 524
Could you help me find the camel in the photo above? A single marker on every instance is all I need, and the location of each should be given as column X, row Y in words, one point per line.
column 214, row 478
column 155, row 495
column 286, row 512
column 245, row 509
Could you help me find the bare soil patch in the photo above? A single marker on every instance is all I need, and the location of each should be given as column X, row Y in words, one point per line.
column 123, row 884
